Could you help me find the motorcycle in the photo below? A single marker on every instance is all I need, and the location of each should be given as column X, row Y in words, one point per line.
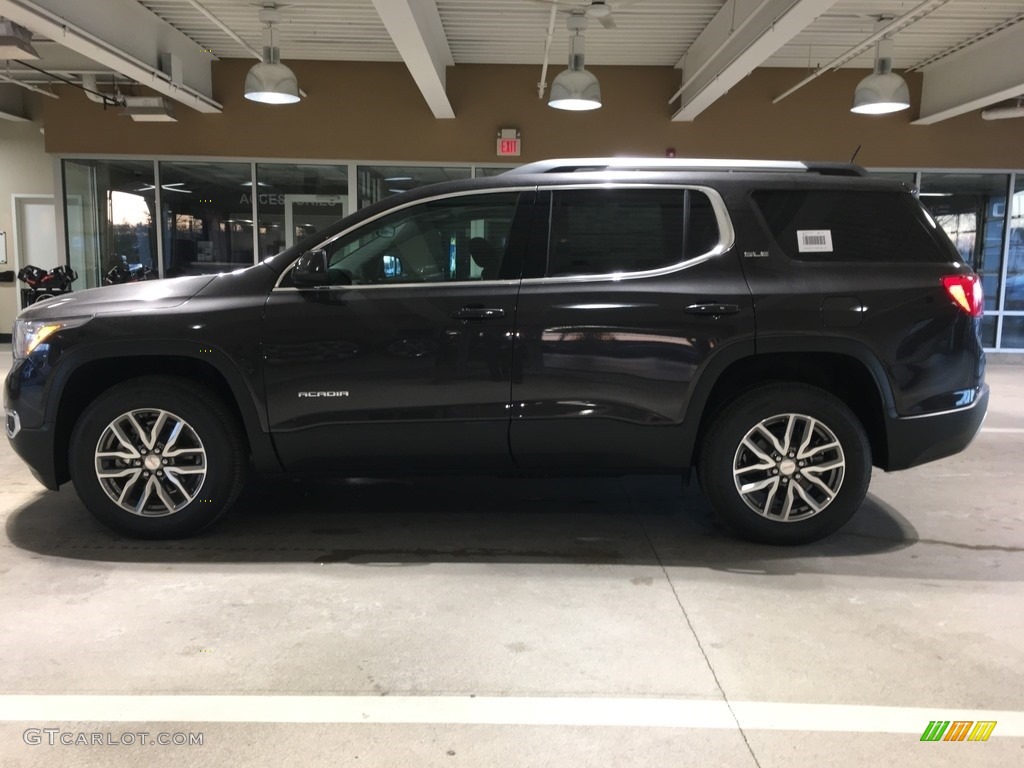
column 45, row 285
column 123, row 272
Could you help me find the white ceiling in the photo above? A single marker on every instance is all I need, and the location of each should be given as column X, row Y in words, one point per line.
column 649, row 32
column 429, row 35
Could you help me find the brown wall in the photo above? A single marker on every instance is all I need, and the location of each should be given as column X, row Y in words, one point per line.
column 374, row 111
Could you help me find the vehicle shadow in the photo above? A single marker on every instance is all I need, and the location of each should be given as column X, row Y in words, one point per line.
column 416, row 522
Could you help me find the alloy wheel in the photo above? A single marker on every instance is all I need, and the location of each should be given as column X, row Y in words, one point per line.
column 150, row 462
column 789, row 467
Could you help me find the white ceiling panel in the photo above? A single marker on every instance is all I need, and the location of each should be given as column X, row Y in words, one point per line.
column 309, row 29
column 649, row 32
column 850, row 21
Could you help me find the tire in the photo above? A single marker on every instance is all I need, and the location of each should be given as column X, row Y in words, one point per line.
column 172, row 456
column 750, row 482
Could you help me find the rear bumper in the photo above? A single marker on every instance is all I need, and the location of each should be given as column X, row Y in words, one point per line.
column 914, row 440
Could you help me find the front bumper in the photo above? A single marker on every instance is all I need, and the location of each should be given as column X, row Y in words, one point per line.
column 29, row 436
column 914, row 440
column 35, row 447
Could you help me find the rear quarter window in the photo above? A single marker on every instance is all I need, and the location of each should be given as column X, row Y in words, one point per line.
column 840, row 225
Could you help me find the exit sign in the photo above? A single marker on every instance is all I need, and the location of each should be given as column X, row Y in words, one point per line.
column 509, row 147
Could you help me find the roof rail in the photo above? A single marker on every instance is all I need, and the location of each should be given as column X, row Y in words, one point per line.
column 598, row 164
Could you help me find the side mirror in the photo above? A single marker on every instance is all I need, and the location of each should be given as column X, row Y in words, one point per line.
column 310, row 269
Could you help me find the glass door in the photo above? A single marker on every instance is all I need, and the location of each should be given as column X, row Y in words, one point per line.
column 306, row 214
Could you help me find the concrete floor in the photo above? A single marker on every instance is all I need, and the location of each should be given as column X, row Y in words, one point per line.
column 610, row 596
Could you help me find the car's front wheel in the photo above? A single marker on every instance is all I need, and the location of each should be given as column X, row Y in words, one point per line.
column 785, row 464
column 157, row 457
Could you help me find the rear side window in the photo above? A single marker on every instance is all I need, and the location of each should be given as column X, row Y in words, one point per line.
column 837, row 225
column 603, row 231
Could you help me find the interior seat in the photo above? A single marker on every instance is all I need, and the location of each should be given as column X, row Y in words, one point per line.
column 486, row 256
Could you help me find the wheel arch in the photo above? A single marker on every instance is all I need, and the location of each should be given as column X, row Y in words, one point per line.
column 845, row 369
column 84, row 376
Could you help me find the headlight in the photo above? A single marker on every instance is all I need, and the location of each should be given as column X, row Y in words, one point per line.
column 29, row 334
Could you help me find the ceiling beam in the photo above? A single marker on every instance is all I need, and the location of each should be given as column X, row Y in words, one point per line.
column 126, row 37
column 986, row 72
column 415, row 27
column 741, row 37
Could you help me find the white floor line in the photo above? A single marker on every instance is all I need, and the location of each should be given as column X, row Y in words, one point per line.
column 1004, row 430
column 491, row 710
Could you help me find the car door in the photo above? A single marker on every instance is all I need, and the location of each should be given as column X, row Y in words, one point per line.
column 402, row 363
column 628, row 292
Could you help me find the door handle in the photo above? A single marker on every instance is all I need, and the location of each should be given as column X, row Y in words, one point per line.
column 713, row 309
column 478, row 313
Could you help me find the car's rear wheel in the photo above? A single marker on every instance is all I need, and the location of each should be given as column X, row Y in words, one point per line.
column 157, row 457
column 785, row 464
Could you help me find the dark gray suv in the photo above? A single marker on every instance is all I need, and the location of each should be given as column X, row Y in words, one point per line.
column 782, row 327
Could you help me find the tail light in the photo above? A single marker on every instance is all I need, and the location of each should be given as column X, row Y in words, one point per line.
column 966, row 293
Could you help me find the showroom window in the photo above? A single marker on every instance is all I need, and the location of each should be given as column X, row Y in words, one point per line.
column 109, row 215
column 600, row 232
column 1012, row 336
column 972, row 210
column 377, row 182
column 907, row 177
column 294, row 201
column 206, row 214
column 485, row 171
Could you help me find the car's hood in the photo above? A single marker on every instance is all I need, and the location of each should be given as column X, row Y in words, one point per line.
column 143, row 296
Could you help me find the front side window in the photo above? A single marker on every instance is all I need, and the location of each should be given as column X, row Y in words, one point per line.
column 454, row 239
column 606, row 231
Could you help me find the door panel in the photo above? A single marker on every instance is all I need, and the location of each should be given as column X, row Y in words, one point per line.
column 604, row 364
column 404, row 364
column 388, row 373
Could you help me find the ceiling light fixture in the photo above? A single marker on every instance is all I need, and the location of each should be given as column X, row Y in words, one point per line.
column 270, row 81
column 1003, row 113
column 15, row 42
column 575, row 88
column 149, row 109
column 883, row 91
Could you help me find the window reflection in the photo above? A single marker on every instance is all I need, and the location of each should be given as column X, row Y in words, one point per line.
column 376, row 182
column 294, row 201
column 1015, row 261
column 109, row 213
column 971, row 207
column 206, row 213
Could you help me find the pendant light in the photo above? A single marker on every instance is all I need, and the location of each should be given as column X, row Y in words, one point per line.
column 270, row 81
column 883, row 91
column 575, row 88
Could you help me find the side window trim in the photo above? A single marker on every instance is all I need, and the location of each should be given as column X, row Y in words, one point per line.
column 726, row 233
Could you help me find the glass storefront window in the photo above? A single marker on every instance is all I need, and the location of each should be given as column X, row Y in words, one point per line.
column 1015, row 254
column 971, row 207
column 1013, row 332
column 908, row 177
column 109, row 213
column 294, row 201
column 485, row 171
column 206, row 219
column 376, row 182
